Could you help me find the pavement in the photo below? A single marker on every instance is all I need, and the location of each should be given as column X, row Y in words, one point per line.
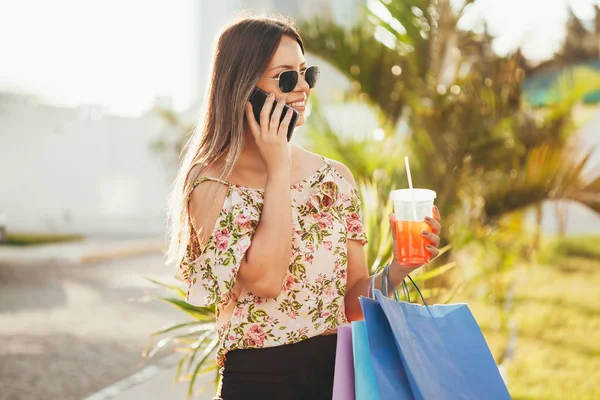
column 76, row 317
column 83, row 251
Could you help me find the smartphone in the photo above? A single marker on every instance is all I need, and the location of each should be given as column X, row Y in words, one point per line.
column 257, row 99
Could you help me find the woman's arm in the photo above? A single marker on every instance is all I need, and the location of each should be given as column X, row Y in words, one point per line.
column 268, row 257
column 358, row 278
column 265, row 263
column 358, row 275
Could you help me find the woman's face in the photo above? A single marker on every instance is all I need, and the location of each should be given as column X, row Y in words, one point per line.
column 288, row 57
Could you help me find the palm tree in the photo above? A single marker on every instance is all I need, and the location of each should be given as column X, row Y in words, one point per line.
column 463, row 105
column 472, row 138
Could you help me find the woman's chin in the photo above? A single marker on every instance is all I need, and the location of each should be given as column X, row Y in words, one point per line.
column 301, row 119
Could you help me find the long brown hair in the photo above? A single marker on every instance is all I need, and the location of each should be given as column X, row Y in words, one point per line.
column 243, row 52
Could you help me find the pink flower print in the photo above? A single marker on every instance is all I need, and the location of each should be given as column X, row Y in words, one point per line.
column 326, row 314
column 326, row 221
column 341, row 314
column 320, row 278
column 327, row 201
column 345, row 198
column 240, row 313
column 327, row 193
column 292, row 314
column 231, row 337
column 255, row 336
column 289, row 282
column 314, row 217
column 308, row 257
column 226, row 298
column 328, row 245
column 222, row 239
column 243, row 221
column 303, row 331
column 328, row 294
column 353, row 223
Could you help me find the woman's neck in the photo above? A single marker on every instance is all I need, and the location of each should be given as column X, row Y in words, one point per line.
column 250, row 156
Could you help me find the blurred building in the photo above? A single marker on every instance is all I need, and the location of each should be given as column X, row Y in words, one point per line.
column 90, row 170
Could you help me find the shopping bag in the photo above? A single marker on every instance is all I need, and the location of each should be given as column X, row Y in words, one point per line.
column 443, row 351
column 365, row 382
column 343, row 378
column 392, row 380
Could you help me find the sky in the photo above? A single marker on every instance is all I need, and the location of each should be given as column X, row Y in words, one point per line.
column 122, row 54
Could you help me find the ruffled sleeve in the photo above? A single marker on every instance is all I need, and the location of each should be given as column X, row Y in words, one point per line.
column 212, row 270
column 353, row 216
column 334, row 191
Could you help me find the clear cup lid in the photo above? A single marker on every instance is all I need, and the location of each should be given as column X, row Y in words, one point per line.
column 410, row 195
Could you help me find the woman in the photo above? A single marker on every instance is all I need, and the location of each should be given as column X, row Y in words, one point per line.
column 267, row 231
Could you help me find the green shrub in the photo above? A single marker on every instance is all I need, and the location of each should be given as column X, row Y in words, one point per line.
column 584, row 246
column 32, row 239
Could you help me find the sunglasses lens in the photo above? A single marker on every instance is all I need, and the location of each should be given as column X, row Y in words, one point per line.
column 312, row 76
column 288, row 81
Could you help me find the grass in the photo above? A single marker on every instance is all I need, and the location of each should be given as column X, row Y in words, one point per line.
column 557, row 311
column 573, row 246
column 32, row 239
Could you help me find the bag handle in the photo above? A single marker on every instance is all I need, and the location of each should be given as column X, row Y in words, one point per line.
column 385, row 284
column 386, row 275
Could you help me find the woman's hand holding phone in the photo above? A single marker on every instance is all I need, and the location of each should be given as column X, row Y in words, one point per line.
column 271, row 136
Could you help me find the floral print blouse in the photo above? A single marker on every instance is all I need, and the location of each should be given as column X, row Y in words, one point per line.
column 326, row 213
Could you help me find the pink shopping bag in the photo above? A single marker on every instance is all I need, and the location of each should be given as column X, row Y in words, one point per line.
column 343, row 381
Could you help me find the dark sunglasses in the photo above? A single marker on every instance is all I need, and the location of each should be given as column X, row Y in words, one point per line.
column 289, row 79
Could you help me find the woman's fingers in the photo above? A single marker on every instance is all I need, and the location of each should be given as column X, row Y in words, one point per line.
column 254, row 127
column 434, row 225
column 434, row 251
column 432, row 238
column 392, row 218
column 283, row 127
column 265, row 112
column 436, row 214
column 276, row 117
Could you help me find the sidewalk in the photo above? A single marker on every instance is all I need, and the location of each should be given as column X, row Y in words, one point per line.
column 154, row 382
column 87, row 250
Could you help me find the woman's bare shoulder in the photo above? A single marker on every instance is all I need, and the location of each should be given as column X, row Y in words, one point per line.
column 206, row 200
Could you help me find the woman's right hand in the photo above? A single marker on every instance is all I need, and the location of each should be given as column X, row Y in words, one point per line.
column 271, row 136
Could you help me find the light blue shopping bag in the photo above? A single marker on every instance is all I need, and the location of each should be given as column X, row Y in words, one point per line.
column 443, row 351
column 365, row 382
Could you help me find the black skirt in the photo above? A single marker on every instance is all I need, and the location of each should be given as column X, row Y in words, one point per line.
column 302, row 370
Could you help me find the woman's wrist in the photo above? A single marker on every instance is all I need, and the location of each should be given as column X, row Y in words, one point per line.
column 397, row 273
column 278, row 178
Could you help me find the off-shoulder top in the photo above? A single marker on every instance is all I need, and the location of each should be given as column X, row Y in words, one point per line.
column 326, row 213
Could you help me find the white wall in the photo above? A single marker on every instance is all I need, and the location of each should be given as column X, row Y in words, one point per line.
column 62, row 171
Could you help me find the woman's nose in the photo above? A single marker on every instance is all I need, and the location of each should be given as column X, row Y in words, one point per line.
column 302, row 85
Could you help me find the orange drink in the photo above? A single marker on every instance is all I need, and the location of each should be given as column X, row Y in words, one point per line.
column 411, row 206
column 410, row 243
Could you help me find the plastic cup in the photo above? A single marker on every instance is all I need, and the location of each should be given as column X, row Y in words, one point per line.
column 411, row 206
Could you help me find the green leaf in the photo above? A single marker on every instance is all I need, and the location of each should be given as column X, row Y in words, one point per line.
column 196, row 327
column 174, row 288
column 209, row 349
column 434, row 273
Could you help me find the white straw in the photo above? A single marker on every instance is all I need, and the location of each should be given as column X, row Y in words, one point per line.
column 410, row 185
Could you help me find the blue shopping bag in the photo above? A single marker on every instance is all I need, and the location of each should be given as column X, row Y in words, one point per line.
column 443, row 351
column 392, row 380
column 365, row 382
